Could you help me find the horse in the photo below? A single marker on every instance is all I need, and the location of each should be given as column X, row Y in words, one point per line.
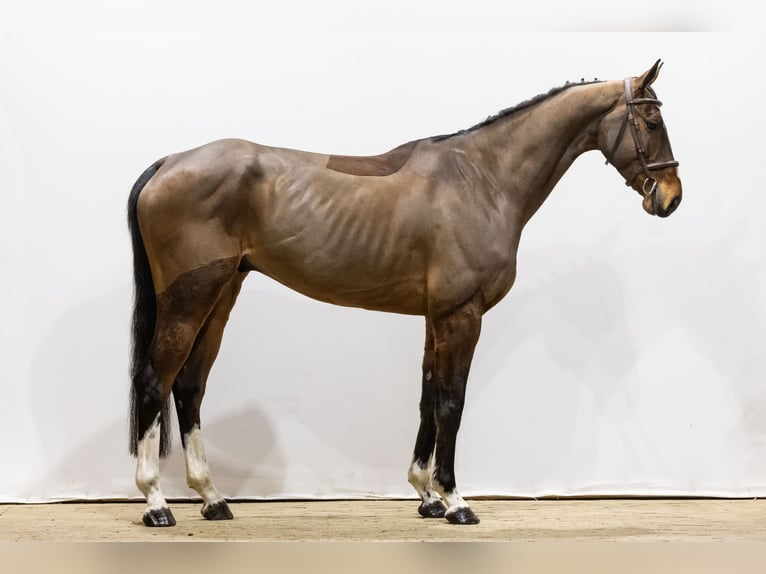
column 430, row 228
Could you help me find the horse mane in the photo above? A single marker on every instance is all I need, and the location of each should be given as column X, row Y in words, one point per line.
column 517, row 108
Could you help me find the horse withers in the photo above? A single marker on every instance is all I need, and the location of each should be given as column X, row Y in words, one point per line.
column 430, row 228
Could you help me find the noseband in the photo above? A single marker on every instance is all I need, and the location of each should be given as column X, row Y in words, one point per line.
column 630, row 119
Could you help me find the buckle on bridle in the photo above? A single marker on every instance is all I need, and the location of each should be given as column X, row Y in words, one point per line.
column 652, row 189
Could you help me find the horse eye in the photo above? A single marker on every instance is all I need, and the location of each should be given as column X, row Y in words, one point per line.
column 652, row 125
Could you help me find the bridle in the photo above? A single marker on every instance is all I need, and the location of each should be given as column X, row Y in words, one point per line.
column 630, row 119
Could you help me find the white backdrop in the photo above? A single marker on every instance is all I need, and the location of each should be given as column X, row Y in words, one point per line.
column 628, row 359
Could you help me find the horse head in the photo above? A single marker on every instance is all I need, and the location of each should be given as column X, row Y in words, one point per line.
column 644, row 158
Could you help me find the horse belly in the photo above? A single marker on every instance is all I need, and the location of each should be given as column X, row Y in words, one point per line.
column 348, row 247
column 343, row 281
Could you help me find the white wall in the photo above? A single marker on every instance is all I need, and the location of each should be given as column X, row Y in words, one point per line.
column 629, row 357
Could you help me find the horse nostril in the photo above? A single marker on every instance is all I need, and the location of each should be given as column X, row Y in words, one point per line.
column 674, row 204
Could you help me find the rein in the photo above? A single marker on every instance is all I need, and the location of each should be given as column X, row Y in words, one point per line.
column 630, row 119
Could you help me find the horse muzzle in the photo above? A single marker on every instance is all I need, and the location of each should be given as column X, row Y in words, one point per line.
column 662, row 196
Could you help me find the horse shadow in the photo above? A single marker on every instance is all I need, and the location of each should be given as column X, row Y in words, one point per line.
column 282, row 342
column 366, row 366
column 728, row 332
column 346, row 379
column 87, row 345
column 585, row 334
column 559, row 335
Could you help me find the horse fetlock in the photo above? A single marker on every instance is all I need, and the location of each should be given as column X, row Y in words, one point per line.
column 451, row 497
column 419, row 476
column 199, row 483
column 458, row 511
column 197, row 470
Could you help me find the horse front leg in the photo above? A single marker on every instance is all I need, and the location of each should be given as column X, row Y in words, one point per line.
column 421, row 470
column 455, row 338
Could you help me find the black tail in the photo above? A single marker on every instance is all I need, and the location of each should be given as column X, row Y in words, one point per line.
column 144, row 317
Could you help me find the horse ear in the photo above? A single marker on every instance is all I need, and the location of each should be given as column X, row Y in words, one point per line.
column 648, row 77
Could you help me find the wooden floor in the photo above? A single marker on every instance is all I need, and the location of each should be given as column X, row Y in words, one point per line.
column 389, row 520
column 371, row 537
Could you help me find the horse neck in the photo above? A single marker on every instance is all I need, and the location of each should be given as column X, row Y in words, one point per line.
column 527, row 152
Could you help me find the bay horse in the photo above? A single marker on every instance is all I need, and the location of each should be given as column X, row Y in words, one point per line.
column 430, row 228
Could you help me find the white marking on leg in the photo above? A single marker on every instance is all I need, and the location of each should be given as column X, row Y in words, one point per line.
column 454, row 502
column 452, row 499
column 421, row 479
column 148, row 467
column 197, row 469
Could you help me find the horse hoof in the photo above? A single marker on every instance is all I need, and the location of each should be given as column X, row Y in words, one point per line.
column 159, row 517
column 434, row 509
column 462, row 515
column 217, row 511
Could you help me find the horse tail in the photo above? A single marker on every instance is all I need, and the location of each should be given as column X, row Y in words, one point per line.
column 144, row 317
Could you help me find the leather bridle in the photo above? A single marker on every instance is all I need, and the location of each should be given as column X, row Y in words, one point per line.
column 632, row 120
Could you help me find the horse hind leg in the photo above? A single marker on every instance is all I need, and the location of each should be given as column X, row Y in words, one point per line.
column 188, row 392
column 157, row 512
column 182, row 309
column 421, row 470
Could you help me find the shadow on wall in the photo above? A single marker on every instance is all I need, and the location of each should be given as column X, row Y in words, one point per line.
column 79, row 379
column 580, row 314
column 552, row 338
column 335, row 372
column 99, row 466
column 723, row 313
column 350, row 378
